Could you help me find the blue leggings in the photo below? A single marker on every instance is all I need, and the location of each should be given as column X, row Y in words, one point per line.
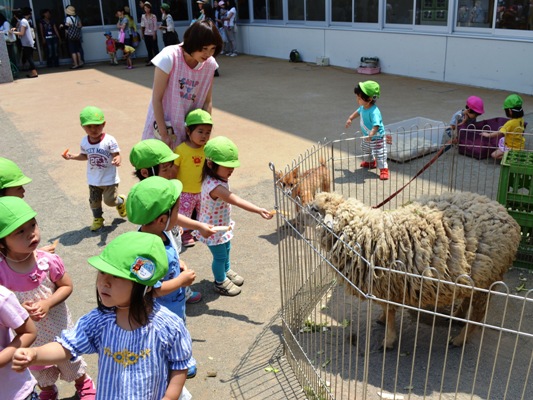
column 221, row 261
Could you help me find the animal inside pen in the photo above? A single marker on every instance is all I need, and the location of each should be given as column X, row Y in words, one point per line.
column 338, row 332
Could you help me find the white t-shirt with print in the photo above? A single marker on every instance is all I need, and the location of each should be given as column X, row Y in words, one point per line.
column 100, row 171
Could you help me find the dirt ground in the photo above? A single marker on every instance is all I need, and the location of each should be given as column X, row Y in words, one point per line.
column 273, row 110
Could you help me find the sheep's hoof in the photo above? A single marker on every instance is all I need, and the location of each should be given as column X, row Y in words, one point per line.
column 456, row 342
column 381, row 322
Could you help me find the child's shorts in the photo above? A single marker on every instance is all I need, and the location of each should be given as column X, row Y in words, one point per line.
column 502, row 146
column 66, row 370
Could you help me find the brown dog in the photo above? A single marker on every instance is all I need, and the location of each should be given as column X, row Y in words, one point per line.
column 304, row 186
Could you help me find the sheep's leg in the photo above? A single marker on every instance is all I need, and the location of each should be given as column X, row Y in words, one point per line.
column 477, row 312
column 389, row 315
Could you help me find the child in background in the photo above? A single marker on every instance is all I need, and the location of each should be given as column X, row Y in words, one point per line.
column 222, row 158
column 190, row 164
column 513, row 130
column 153, row 203
column 12, row 179
column 103, row 155
column 41, row 285
column 14, row 318
column 110, row 47
column 152, row 157
column 473, row 109
column 128, row 53
column 372, row 128
column 143, row 349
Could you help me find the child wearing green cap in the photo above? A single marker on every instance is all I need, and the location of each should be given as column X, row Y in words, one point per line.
column 102, row 154
column 372, row 128
column 153, row 204
column 152, row 157
column 143, row 350
column 12, row 179
column 42, row 285
column 198, row 126
column 222, row 157
column 513, row 130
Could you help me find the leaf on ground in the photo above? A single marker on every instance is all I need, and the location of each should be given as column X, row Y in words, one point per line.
column 270, row 368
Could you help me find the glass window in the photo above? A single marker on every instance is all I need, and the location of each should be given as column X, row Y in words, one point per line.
column 432, row 12
column 341, row 10
column 260, row 9
column 243, row 10
column 514, row 14
column 275, row 9
column 316, row 10
column 296, row 10
column 366, row 11
column 475, row 13
column 399, row 12
column 92, row 11
column 178, row 10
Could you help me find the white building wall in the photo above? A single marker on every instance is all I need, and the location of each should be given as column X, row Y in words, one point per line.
column 484, row 62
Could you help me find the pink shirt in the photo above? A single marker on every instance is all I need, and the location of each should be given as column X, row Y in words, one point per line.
column 215, row 212
column 187, row 90
column 16, row 386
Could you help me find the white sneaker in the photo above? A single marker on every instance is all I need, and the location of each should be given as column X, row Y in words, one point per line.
column 233, row 55
column 222, row 52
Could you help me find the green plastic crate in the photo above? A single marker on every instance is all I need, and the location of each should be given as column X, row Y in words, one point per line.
column 515, row 186
column 524, row 256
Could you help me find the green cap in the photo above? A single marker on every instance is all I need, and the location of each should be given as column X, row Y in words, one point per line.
column 370, row 88
column 513, row 101
column 151, row 198
column 14, row 212
column 149, row 153
column 165, row 6
column 136, row 256
column 198, row 117
column 91, row 115
column 222, row 151
column 11, row 175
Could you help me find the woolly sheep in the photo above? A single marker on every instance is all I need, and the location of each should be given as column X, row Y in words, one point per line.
column 461, row 236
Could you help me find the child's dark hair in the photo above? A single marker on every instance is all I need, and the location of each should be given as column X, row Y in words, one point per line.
column 209, row 171
column 201, row 34
column 152, row 171
column 141, row 304
column 119, row 45
column 359, row 92
column 514, row 113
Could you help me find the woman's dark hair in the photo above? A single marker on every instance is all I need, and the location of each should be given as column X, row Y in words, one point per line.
column 210, row 171
column 201, row 34
column 152, row 171
column 209, row 12
column 44, row 11
column 141, row 304
column 119, row 45
column 514, row 113
column 359, row 92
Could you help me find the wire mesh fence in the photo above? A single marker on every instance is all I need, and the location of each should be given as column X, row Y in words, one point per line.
column 334, row 330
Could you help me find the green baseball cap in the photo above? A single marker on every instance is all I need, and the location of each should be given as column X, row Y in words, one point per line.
column 165, row 6
column 149, row 153
column 151, row 198
column 222, row 151
column 513, row 101
column 91, row 115
column 136, row 256
column 11, row 175
column 198, row 117
column 370, row 88
column 14, row 212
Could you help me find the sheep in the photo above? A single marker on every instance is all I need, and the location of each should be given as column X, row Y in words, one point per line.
column 463, row 237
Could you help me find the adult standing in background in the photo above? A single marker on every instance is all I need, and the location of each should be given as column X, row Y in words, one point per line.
column 26, row 39
column 183, row 81
column 229, row 25
column 11, row 39
column 73, row 33
column 50, row 38
column 149, row 32
column 123, row 24
column 170, row 36
column 201, row 4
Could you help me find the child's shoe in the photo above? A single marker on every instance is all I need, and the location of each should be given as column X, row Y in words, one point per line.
column 192, row 297
column 187, row 240
column 235, row 277
column 227, row 288
column 97, row 224
column 369, row 165
column 49, row 394
column 129, row 67
column 86, row 389
column 191, row 372
column 121, row 208
column 384, row 174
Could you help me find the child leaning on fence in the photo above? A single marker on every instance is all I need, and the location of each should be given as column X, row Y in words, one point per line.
column 372, row 128
column 143, row 349
column 513, row 130
column 221, row 158
column 468, row 115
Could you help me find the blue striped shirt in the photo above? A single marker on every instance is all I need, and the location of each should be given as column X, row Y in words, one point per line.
column 132, row 364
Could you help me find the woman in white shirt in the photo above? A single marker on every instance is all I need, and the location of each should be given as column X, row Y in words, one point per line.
column 149, row 32
column 26, row 38
column 229, row 25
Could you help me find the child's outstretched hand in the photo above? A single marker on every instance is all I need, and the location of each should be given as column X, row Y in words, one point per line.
column 22, row 359
column 66, row 155
column 206, row 230
column 348, row 123
column 116, row 160
column 265, row 213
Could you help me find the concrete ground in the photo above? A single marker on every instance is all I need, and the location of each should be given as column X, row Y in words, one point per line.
column 273, row 110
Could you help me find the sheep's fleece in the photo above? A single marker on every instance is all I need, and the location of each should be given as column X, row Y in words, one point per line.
column 454, row 233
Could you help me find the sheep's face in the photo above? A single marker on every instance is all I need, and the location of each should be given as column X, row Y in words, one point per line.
column 323, row 208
